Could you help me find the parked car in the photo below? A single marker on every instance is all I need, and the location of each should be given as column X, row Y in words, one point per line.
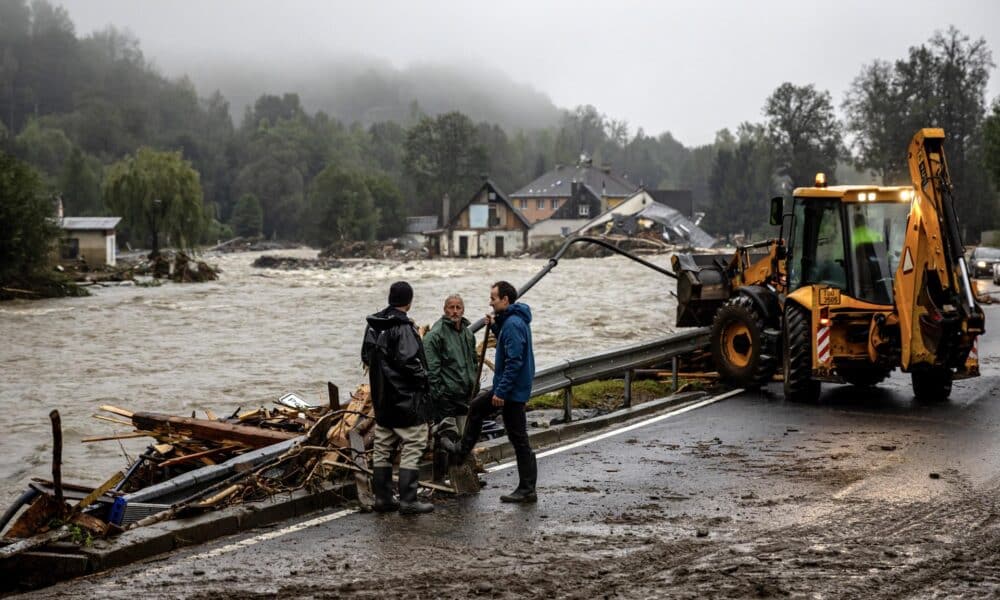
column 996, row 273
column 982, row 260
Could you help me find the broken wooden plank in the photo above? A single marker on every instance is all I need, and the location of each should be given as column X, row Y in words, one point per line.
column 198, row 455
column 202, row 429
column 120, row 436
column 362, row 484
column 110, row 420
column 211, row 415
column 115, row 410
column 97, row 493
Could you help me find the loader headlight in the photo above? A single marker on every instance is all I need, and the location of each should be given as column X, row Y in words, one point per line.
column 981, row 264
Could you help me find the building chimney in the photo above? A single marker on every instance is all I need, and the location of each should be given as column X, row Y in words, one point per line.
column 445, row 210
column 58, row 205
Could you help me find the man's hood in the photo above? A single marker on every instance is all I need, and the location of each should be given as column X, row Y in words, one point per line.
column 519, row 309
column 386, row 318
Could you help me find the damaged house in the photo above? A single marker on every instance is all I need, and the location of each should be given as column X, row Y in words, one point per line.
column 488, row 225
column 642, row 215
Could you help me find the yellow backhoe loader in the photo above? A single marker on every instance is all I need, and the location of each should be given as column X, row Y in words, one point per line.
column 861, row 280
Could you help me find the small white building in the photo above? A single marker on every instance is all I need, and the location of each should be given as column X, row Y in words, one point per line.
column 91, row 239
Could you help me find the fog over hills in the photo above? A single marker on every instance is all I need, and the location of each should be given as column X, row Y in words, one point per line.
column 367, row 90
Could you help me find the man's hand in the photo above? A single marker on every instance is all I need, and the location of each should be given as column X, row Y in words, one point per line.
column 497, row 401
column 489, row 319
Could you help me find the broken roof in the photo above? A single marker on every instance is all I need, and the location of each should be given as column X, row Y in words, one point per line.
column 558, row 183
column 89, row 223
column 672, row 220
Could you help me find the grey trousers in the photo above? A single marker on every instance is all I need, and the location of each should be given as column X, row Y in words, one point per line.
column 412, row 441
column 451, row 426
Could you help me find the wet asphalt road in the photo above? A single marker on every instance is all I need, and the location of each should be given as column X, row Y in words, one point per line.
column 864, row 495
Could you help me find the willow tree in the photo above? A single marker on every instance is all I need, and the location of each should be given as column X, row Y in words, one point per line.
column 157, row 194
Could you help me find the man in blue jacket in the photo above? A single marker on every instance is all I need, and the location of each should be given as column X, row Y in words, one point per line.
column 512, row 377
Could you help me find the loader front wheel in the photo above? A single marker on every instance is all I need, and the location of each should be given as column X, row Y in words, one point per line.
column 932, row 384
column 738, row 347
column 798, row 353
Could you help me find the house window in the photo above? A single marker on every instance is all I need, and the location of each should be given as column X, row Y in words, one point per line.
column 540, row 203
column 584, row 210
column 69, row 249
column 494, row 218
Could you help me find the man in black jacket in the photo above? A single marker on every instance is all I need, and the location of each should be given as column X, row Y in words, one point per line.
column 397, row 368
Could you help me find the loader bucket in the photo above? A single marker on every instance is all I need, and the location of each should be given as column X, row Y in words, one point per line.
column 702, row 287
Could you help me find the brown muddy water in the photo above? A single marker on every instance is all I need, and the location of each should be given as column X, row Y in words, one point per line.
column 255, row 334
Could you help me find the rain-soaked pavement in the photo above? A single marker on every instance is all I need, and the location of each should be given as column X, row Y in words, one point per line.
column 866, row 494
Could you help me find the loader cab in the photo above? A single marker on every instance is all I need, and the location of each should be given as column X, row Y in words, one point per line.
column 849, row 238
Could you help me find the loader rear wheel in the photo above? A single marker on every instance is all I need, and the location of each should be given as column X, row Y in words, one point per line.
column 737, row 341
column 863, row 376
column 799, row 384
column 931, row 384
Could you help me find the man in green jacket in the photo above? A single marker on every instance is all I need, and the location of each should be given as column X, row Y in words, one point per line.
column 452, row 368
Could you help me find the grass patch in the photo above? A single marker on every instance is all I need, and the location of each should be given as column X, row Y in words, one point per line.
column 609, row 394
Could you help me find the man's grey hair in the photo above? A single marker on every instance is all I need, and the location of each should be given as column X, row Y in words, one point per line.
column 454, row 297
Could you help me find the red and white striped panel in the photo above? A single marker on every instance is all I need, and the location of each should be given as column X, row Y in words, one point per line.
column 823, row 344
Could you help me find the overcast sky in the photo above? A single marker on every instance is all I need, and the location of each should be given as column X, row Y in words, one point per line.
column 686, row 67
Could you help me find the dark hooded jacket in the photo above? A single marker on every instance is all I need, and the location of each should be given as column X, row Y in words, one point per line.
column 397, row 369
column 515, row 359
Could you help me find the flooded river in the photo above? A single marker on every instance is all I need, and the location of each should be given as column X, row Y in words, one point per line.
column 255, row 334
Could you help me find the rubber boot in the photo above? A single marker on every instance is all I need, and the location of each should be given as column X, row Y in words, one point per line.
column 408, row 503
column 382, row 488
column 452, row 445
column 527, row 470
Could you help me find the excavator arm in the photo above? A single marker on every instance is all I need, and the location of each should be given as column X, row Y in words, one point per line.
column 938, row 315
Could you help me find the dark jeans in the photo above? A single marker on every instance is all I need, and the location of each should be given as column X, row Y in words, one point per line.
column 515, row 423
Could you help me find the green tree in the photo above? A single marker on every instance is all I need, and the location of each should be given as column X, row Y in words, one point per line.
column 27, row 231
column 804, row 131
column 991, row 143
column 157, row 194
column 388, row 201
column 248, row 218
column 80, row 185
column 741, row 182
column 45, row 148
column 340, row 208
column 443, row 156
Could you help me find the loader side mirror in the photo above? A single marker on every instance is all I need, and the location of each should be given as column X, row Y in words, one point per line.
column 777, row 206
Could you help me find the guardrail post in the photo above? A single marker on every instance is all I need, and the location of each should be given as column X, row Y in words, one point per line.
column 567, row 404
column 673, row 369
column 628, row 388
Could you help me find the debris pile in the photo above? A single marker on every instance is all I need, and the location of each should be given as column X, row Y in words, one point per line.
column 289, row 263
column 251, row 244
column 175, row 266
column 199, row 464
column 385, row 250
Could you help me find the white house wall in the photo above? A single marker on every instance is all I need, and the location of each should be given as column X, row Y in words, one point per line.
column 483, row 243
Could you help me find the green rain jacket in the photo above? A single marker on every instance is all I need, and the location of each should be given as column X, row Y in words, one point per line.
column 452, row 366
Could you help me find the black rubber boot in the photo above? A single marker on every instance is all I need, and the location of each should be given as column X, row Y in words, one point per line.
column 382, row 488
column 408, row 504
column 527, row 470
column 451, row 445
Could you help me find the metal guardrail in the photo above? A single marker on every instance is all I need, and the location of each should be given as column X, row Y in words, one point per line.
column 620, row 361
